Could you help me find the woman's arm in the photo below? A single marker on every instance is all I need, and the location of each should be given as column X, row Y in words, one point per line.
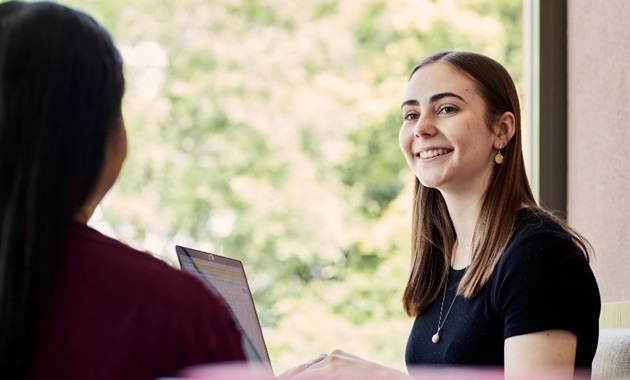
column 549, row 353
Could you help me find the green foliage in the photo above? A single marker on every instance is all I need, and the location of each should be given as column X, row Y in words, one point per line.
column 510, row 14
column 325, row 9
column 255, row 13
column 374, row 164
column 369, row 33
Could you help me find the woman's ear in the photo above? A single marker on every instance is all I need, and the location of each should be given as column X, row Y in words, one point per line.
column 504, row 129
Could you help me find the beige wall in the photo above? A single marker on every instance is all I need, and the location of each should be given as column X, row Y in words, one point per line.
column 599, row 136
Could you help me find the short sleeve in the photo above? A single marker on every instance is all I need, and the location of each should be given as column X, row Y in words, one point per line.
column 543, row 283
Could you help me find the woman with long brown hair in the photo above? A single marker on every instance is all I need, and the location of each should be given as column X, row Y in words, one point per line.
column 496, row 280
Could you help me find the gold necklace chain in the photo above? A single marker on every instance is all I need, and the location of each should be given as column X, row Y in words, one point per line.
column 436, row 337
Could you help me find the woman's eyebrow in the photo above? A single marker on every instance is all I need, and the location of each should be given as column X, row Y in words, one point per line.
column 436, row 97
column 433, row 99
column 410, row 102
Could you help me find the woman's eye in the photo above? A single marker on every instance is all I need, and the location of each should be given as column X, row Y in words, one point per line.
column 447, row 109
column 411, row 116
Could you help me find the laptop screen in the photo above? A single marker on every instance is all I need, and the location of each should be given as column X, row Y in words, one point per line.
column 226, row 276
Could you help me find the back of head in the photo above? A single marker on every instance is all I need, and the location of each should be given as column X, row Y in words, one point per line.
column 61, row 86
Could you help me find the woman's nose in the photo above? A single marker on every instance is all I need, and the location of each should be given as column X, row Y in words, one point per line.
column 424, row 127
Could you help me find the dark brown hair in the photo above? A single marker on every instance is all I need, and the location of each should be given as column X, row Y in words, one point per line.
column 433, row 234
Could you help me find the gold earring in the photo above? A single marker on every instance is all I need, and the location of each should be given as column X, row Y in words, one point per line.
column 499, row 157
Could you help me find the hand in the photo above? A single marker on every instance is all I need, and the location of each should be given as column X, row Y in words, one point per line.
column 341, row 365
column 302, row 367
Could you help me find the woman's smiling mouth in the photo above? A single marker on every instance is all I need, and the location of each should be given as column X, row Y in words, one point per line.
column 433, row 153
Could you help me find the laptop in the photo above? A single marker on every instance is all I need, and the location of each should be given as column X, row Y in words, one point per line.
column 226, row 276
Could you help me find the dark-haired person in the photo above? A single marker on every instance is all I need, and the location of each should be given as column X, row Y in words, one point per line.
column 496, row 281
column 75, row 304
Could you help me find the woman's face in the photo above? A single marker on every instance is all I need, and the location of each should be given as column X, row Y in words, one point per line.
column 115, row 154
column 444, row 135
column 119, row 149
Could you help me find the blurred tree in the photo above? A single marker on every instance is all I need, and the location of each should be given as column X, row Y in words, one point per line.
column 267, row 130
column 374, row 164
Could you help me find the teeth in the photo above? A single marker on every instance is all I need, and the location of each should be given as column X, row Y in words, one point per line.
column 433, row 153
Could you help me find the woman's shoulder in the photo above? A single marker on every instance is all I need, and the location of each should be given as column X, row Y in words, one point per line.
column 90, row 250
column 138, row 294
column 106, row 266
column 540, row 240
column 543, row 281
column 538, row 228
column 533, row 221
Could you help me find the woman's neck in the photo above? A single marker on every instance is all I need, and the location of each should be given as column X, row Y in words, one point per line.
column 464, row 213
column 84, row 214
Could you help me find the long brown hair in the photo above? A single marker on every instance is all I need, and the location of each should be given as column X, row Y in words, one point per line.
column 433, row 233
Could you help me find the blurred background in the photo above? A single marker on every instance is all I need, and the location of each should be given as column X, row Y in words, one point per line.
column 267, row 130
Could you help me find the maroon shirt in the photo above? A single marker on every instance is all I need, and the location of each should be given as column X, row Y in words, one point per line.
column 119, row 313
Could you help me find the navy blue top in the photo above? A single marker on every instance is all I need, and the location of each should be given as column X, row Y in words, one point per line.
column 541, row 282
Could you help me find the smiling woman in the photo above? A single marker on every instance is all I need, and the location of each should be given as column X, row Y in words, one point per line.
column 480, row 240
column 496, row 280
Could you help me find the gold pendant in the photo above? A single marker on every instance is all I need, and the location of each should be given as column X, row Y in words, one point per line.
column 435, row 338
